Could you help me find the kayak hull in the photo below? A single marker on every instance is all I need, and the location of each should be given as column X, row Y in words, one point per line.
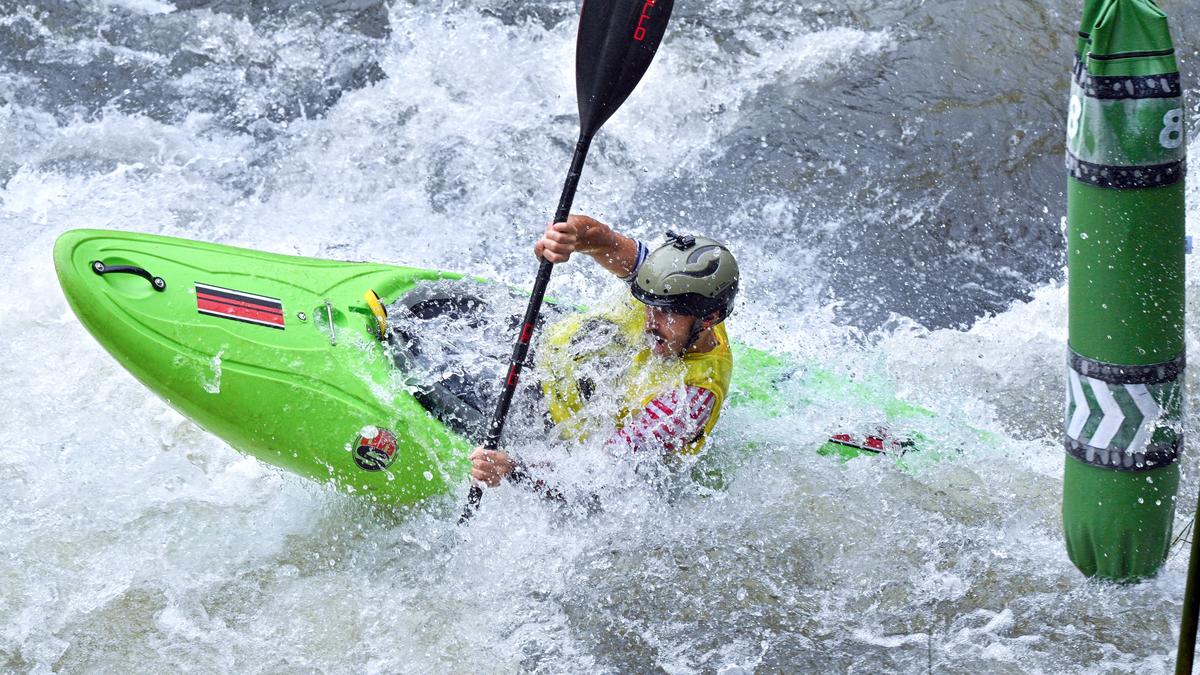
column 285, row 386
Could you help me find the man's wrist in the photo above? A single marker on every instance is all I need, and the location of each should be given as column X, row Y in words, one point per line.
column 593, row 239
column 519, row 473
column 638, row 259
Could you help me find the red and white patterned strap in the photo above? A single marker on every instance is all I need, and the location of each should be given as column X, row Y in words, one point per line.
column 668, row 423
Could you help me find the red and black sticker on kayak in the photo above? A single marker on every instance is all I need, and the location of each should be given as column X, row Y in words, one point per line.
column 374, row 449
column 239, row 305
column 880, row 442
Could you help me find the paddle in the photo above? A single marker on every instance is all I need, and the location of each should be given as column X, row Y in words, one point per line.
column 615, row 45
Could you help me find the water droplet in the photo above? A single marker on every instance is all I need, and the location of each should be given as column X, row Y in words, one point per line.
column 1083, row 235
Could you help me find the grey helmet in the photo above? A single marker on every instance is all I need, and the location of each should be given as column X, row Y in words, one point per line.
column 688, row 275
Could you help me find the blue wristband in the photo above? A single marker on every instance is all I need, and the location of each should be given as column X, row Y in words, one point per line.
column 642, row 252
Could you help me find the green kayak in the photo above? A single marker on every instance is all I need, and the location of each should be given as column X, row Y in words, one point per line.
column 291, row 359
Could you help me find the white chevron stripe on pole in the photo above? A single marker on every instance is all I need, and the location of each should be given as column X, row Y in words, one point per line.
column 1113, row 415
column 1150, row 413
column 1082, row 411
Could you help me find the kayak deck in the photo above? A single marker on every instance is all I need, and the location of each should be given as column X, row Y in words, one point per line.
column 295, row 389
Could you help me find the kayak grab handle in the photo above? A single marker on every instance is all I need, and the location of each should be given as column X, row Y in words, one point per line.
column 101, row 269
column 332, row 328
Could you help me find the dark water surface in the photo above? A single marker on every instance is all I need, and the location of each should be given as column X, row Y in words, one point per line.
column 922, row 179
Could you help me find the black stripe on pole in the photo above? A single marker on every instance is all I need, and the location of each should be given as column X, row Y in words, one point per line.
column 1156, row 456
column 1130, row 55
column 1114, row 373
column 1120, row 87
column 1125, row 177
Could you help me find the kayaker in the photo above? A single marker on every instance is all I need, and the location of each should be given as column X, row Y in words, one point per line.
column 685, row 290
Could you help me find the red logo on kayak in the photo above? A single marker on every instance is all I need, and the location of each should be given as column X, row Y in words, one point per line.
column 227, row 303
column 639, row 33
column 880, row 442
column 374, row 449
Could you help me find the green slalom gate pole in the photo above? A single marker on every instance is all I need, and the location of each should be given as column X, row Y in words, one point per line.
column 1125, row 256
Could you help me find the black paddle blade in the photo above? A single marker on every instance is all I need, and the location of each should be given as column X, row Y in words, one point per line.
column 617, row 41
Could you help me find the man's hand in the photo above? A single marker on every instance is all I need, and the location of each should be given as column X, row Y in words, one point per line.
column 558, row 242
column 562, row 239
column 582, row 234
column 490, row 466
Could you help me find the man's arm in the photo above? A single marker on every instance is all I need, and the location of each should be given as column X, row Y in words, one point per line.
column 581, row 234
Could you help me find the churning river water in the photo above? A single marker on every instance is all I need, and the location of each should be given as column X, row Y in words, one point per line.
column 890, row 175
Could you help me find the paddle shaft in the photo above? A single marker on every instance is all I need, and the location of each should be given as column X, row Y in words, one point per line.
column 1191, row 609
column 616, row 42
column 534, row 308
column 521, row 349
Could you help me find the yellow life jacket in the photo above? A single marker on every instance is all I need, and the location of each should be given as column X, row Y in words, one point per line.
column 597, row 370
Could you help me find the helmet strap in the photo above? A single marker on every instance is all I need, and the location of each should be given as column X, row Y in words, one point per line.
column 694, row 335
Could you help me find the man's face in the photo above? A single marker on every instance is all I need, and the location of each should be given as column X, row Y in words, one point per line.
column 667, row 332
